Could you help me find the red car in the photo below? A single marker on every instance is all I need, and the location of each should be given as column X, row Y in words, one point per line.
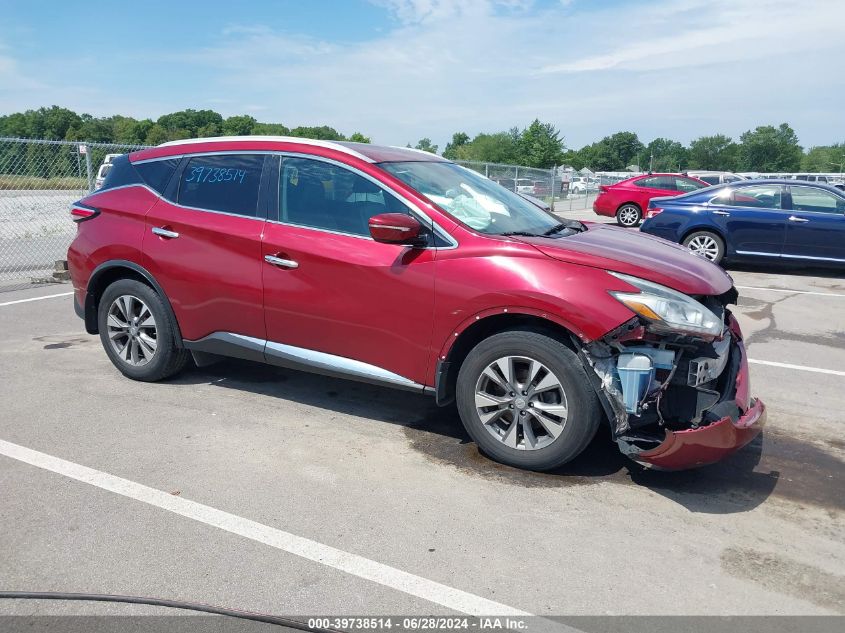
column 400, row 268
column 628, row 199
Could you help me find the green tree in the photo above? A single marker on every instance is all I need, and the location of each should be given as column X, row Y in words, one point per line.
column 668, row 155
column 459, row 139
column 270, row 129
column 540, row 145
column 156, row 135
column 769, row 148
column 824, row 158
column 357, row 137
column 426, row 145
column 241, row 125
column 717, row 152
column 322, row 132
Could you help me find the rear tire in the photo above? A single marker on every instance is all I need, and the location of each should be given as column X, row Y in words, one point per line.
column 137, row 332
column 629, row 215
column 706, row 244
column 525, row 399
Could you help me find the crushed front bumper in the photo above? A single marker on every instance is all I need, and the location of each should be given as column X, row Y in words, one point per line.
column 693, row 447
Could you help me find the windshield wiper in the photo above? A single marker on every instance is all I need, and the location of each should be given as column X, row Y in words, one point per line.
column 522, row 233
column 573, row 225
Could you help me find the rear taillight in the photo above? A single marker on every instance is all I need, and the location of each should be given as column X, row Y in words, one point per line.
column 653, row 211
column 604, row 188
column 81, row 212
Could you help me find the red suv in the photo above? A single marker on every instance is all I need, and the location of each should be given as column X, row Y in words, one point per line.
column 400, row 268
column 628, row 199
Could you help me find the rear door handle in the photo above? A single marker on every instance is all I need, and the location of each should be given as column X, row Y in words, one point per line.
column 720, row 213
column 792, row 218
column 163, row 232
column 281, row 263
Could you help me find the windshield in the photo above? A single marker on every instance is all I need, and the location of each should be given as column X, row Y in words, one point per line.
column 473, row 199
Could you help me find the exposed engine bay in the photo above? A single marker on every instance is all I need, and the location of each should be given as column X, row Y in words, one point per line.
column 653, row 382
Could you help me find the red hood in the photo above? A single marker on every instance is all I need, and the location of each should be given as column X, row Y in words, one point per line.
column 634, row 253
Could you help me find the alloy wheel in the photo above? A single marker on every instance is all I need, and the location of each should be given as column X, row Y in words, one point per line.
column 132, row 330
column 704, row 246
column 629, row 215
column 521, row 402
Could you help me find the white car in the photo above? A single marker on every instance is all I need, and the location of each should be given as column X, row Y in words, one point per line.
column 715, row 177
column 104, row 169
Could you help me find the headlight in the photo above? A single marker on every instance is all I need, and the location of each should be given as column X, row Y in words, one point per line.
column 667, row 309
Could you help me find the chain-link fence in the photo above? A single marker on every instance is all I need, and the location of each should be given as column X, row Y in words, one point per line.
column 39, row 180
column 564, row 189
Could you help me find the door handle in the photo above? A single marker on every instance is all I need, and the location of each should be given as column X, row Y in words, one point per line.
column 792, row 218
column 281, row 263
column 163, row 232
column 717, row 212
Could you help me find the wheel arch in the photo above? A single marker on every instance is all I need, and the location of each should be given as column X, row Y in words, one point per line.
column 631, row 202
column 107, row 273
column 477, row 328
column 709, row 228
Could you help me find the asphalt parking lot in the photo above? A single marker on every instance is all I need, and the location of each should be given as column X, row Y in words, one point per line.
column 321, row 496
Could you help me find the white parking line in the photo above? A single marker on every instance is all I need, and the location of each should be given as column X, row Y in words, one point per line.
column 11, row 303
column 800, row 292
column 818, row 370
column 353, row 564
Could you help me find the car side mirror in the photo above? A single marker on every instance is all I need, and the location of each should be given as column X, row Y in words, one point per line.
column 395, row 228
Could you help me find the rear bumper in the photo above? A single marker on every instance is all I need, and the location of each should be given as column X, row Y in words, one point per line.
column 689, row 448
column 602, row 207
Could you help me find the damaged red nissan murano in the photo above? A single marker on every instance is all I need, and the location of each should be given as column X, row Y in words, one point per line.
column 398, row 267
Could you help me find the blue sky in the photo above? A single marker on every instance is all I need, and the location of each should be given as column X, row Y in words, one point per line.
column 399, row 70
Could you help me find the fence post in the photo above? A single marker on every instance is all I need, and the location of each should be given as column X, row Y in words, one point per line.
column 88, row 168
column 486, row 170
column 554, row 168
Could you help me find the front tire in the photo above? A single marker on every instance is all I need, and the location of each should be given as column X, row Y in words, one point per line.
column 525, row 399
column 137, row 332
column 706, row 244
column 628, row 215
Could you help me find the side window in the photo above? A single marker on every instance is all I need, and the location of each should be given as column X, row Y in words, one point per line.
column 227, row 183
column 685, row 184
column 651, row 182
column 757, row 196
column 326, row 196
column 709, row 178
column 157, row 173
column 816, row 200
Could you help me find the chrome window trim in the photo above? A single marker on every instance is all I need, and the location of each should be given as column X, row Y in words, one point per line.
column 273, row 139
column 233, row 152
column 414, row 208
column 422, row 215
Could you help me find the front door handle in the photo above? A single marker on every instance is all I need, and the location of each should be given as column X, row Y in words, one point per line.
column 792, row 218
column 281, row 263
column 163, row 232
column 717, row 212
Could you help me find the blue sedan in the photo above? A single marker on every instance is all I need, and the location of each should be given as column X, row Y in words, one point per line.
column 787, row 220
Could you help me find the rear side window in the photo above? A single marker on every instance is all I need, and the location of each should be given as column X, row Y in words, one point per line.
column 157, row 173
column 759, row 197
column 657, row 182
column 713, row 180
column 685, row 184
column 227, row 183
column 120, row 173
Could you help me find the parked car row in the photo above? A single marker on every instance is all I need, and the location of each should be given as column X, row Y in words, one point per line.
column 734, row 218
